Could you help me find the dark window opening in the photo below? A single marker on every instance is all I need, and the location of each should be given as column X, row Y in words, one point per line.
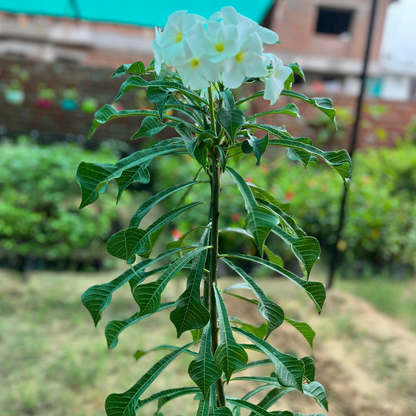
column 333, row 21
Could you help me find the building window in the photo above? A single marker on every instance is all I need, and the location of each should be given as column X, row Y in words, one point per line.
column 333, row 21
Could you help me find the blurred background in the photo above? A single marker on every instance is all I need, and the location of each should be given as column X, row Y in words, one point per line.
column 56, row 62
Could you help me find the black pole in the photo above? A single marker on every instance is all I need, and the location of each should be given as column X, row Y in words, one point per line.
column 75, row 8
column 335, row 252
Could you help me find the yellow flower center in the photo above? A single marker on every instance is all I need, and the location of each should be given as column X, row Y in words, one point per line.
column 194, row 63
column 239, row 57
column 178, row 37
column 219, row 47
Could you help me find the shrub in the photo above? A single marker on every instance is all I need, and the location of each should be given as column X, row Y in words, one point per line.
column 39, row 217
column 380, row 227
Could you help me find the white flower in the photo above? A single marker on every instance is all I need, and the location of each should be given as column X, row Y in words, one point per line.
column 220, row 41
column 175, row 33
column 275, row 81
column 231, row 17
column 193, row 64
column 247, row 62
column 157, row 49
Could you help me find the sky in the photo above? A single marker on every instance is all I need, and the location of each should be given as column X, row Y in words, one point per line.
column 399, row 37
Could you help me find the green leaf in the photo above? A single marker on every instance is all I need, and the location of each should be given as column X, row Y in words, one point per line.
column 98, row 297
column 124, row 243
column 189, row 312
column 268, row 309
column 153, row 200
column 148, row 296
column 289, row 109
column 315, row 290
column 232, row 120
column 150, row 127
column 137, row 68
column 287, row 413
column 92, row 177
column 140, row 353
column 253, row 407
column 108, row 112
column 271, row 398
column 166, row 396
column 309, row 368
column 317, row 391
column 197, row 334
column 304, row 329
column 201, row 153
column 257, row 363
column 124, row 404
column 297, row 69
column 289, row 369
column 158, row 96
column 138, row 82
column 223, row 158
column 189, row 140
column 228, row 97
column 306, row 249
column 287, row 85
column 258, row 331
column 114, row 328
column 285, row 219
column 270, row 381
column 229, row 355
column 257, row 146
column 260, row 220
column 274, row 258
column 137, row 174
column 202, row 369
column 323, row 104
column 262, row 194
column 178, row 243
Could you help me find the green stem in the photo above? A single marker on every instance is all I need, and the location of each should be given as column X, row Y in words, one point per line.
column 215, row 215
column 215, row 179
column 212, row 110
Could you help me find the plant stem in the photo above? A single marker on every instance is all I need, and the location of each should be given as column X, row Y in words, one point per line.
column 212, row 110
column 215, row 178
column 215, row 215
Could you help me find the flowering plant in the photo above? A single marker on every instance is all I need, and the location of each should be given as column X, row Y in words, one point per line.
column 197, row 63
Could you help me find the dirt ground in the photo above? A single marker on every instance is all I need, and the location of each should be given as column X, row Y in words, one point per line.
column 365, row 360
column 54, row 363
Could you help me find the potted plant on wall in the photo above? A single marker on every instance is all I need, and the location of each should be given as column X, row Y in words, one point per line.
column 14, row 93
column 70, row 100
column 45, row 96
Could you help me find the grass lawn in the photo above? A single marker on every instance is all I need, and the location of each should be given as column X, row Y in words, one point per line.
column 55, row 363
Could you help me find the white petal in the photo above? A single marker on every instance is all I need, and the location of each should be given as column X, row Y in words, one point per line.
column 283, row 73
column 271, row 91
column 252, row 44
column 255, row 66
column 233, row 79
column 230, row 15
column 267, row 35
column 195, row 37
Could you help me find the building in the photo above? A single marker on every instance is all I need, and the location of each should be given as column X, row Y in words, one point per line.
column 326, row 37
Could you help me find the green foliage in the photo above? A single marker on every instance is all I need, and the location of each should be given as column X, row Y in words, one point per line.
column 38, row 205
column 212, row 134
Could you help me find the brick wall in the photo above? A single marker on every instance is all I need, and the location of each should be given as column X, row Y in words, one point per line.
column 295, row 21
column 55, row 123
column 393, row 122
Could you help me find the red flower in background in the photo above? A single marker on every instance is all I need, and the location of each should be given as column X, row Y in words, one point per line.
column 235, row 216
column 176, row 234
column 289, row 195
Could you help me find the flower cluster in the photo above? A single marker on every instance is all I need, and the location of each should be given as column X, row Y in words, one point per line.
column 227, row 48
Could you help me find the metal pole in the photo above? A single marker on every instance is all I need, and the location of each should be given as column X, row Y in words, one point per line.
column 335, row 252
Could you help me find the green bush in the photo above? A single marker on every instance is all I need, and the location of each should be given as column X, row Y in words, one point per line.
column 380, row 228
column 39, row 199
